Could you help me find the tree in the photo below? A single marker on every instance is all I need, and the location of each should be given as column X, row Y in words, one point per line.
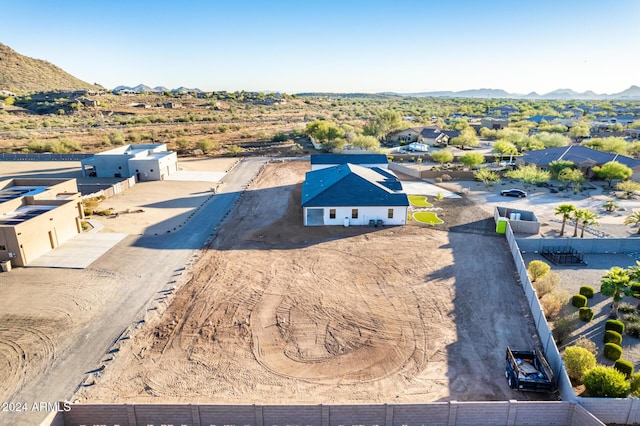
column 537, row 269
column 579, row 131
column 629, row 188
column 578, row 361
column 551, row 140
column 488, row 177
column 504, row 147
column 573, row 177
column 586, row 218
column 610, row 144
column 442, row 156
column 634, row 219
column 365, row 142
column 564, row 210
column 615, row 284
column 385, row 123
column 556, row 166
column 610, row 205
column 607, row 382
column 613, row 171
column 472, row 159
column 467, row 137
column 529, row 175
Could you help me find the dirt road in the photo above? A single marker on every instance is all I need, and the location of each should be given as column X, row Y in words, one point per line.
column 279, row 313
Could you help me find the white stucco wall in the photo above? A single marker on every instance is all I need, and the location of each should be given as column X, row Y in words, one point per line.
column 364, row 215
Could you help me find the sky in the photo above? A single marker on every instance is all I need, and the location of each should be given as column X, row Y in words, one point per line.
column 369, row 46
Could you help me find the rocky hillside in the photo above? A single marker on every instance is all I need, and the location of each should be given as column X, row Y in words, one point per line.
column 21, row 74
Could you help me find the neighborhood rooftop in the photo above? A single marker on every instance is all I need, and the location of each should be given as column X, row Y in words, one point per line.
column 348, row 158
column 577, row 154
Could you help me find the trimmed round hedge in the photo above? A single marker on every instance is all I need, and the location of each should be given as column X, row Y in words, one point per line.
column 624, row 366
column 585, row 314
column 615, row 325
column 587, row 291
column 611, row 336
column 579, row 301
column 612, row 351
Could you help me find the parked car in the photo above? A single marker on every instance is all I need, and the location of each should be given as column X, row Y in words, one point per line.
column 513, row 193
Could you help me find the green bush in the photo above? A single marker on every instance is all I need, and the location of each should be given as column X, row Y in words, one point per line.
column 635, row 385
column 612, row 351
column 614, row 325
column 578, row 361
column 630, row 318
column 579, row 301
column 633, row 329
column 611, row 336
column 635, row 290
column 625, row 367
column 586, row 291
column 606, row 382
column 585, row 314
column 563, row 327
column 537, row 269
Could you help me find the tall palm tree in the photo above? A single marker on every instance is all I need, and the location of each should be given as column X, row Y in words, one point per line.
column 634, row 219
column 576, row 215
column 565, row 211
column 615, row 283
column 587, row 217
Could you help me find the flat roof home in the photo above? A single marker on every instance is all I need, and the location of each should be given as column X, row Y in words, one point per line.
column 146, row 162
column 36, row 216
column 348, row 194
column 322, row 161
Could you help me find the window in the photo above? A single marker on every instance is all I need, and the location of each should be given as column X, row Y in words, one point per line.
column 390, row 213
column 354, row 213
column 332, row 213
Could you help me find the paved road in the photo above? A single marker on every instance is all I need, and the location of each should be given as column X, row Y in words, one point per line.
column 147, row 266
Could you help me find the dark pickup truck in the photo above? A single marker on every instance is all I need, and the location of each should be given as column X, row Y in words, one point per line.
column 528, row 371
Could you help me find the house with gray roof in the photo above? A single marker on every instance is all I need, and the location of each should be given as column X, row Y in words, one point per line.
column 348, row 194
column 584, row 158
column 322, row 161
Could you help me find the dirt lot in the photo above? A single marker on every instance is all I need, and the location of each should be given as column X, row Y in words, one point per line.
column 279, row 313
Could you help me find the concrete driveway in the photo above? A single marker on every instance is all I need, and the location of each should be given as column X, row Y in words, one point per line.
column 79, row 252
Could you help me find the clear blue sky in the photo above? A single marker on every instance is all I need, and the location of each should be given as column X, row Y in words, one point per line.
column 339, row 46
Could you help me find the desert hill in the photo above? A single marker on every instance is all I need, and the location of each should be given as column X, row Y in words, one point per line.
column 21, row 74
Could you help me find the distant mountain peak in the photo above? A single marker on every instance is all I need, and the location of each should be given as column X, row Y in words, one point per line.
column 632, row 93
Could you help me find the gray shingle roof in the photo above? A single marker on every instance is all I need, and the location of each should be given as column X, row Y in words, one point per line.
column 348, row 158
column 352, row 185
column 578, row 154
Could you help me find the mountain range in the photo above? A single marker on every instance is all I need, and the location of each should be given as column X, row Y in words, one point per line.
column 143, row 88
column 632, row 93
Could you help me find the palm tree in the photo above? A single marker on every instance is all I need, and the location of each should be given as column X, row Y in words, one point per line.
column 576, row 216
column 615, row 283
column 610, row 205
column 587, row 217
column 565, row 210
column 634, row 219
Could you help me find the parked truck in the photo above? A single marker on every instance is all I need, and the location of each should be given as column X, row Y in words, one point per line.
column 528, row 370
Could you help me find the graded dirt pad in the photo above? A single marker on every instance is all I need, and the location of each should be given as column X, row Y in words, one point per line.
column 279, row 313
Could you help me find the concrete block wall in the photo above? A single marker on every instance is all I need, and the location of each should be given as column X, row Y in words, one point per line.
column 440, row 413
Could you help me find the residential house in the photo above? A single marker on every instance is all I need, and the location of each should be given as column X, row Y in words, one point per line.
column 584, row 158
column 404, row 136
column 632, row 133
column 323, row 161
column 494, row 123
column 348, row 194
column 36, row 216
column 433, row 136
column 146, row 162
column 502, row 111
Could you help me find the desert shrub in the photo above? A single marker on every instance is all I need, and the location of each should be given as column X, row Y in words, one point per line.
column 585, row 314
column 612, row 351
column 553, row 302
column 625, row 367
column 563, row 327
column 634, row 390
column 87, row 211
column 206, row 145
column 103, row 212
column 602, row 381
column 635, row 290
column 614, row 325
column 578, row 361
column 586, row 291
column 626, row 308
column 546, row 284
column 116, row 138
column 578, row 300
column 611, row 336
column 633, row 329
column 630, row 318
column 587, row 344
column 537, row 269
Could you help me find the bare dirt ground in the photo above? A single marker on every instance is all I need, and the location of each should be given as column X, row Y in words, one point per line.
column 279, row 313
